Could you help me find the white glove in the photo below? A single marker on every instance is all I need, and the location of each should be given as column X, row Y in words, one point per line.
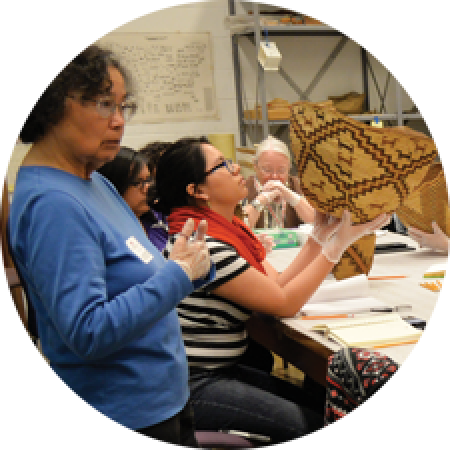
column 324, row 227
column 437, row 240
column 346, row 234
column 192, row 256
column 287, row 194
column 265, row 198
column 266, row 240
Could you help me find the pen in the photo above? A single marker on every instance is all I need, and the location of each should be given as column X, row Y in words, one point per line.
column 387, row 309
column 386, row 277
column 331, row 316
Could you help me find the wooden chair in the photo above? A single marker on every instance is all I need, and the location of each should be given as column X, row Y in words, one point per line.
column 14, row 282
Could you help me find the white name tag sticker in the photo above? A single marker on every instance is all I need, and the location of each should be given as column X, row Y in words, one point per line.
column 139, row 250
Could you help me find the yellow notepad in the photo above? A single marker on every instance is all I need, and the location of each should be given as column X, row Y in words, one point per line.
column 370, row 331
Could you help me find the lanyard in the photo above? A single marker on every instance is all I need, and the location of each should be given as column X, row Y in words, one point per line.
column 280, row 222
column 283, row 214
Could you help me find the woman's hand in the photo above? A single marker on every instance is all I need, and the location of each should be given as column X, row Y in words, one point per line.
column 436, row 240
column 192, row 255
column 324, row 227
column 267, row 197
column 346, row 234
column 287, row 194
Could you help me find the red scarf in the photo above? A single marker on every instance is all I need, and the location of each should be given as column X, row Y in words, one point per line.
column 235, row 233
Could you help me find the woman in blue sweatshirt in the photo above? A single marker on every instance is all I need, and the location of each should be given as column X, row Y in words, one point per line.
column 104, row 296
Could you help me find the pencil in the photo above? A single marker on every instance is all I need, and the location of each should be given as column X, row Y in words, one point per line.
column 331, row 316
column 392, row 344
column 387, row 277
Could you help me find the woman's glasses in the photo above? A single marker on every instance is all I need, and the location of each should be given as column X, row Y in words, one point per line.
column 106, row 107
column 141, row 184
column 225, row 163
column 281, row 171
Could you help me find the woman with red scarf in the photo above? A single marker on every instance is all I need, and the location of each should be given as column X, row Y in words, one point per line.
column 194, row 180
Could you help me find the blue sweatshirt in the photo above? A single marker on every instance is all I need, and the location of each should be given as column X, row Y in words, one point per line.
column 104, row 296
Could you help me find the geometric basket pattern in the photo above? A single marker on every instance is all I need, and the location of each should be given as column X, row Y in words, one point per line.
column 428, row 203
column 357, row 259
column 345, row 164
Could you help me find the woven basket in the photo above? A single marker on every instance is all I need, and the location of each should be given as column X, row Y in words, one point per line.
column 350, row 103
column 277, row 109
column 428, row 203
column 357, row 259
column 272, row 114
column 311, row 21
column 345, row 164
column 278, row 103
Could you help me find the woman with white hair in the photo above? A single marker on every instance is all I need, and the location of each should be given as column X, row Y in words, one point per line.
column 274, row 197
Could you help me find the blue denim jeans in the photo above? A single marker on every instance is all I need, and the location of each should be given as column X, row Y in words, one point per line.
column 247, row 399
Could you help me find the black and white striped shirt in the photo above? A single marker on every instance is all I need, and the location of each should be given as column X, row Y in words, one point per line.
column 213, row 328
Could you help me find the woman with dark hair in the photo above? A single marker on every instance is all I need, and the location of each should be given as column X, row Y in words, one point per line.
column 153, row 151
column 157, row 229
column 129, row 174
column 155, row 222
column 195, row 180
column 104, row 296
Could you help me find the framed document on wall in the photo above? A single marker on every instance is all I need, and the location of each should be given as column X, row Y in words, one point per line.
column 173, row 74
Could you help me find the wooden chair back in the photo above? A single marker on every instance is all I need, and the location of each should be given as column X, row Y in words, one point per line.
column 14, row 283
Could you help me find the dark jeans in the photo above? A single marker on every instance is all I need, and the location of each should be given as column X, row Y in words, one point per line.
column 178, row 430
column 247, row 399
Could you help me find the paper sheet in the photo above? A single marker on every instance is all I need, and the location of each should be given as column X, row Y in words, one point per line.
column 353, row 287
column 345, row 306
column 348, row 296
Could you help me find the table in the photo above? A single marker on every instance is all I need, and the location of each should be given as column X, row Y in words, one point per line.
column 296, row 343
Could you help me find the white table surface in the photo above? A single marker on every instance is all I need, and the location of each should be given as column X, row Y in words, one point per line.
column 392, row 292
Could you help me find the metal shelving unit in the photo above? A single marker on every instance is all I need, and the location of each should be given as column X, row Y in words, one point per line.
column 360, row 117
column 253, row 32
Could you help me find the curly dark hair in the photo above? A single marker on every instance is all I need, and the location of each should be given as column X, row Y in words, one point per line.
column 153, row 152
column 86, row 75
column 182, row 163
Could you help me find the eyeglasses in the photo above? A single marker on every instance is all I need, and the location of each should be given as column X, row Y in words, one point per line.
column 276, row 172
column 106, row 107
column 227, row 164
column 141, row 184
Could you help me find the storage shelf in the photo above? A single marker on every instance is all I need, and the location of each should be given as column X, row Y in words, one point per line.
column 249, row 29
column 366, row 117
column 281, row 30
column 271, row 122
column 360, row 117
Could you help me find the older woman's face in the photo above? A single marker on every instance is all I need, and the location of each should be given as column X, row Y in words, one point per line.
column 136, row 194
column 272, row 166
column 87, row 137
